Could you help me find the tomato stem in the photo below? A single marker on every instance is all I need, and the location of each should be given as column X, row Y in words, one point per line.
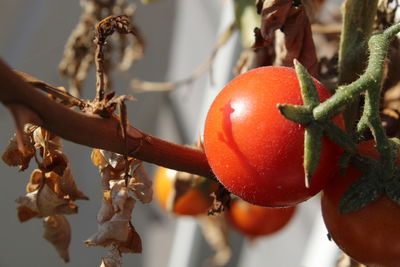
column 372, row 77
column 358, row 20
column 95, row 131
column 370, row 82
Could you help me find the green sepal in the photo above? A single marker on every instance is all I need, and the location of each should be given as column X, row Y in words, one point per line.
column 392, row 186
column 344, row 161
column 395, row 145
column 312, row 150
column 296, row 113
column 339, row 137
column 361, row 193
column 309, row 91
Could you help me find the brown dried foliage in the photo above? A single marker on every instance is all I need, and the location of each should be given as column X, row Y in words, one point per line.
column 79, row 50
column 294, row 40
column 51, row 190
column 124, row 182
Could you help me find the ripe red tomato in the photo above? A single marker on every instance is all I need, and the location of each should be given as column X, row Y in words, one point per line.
column 370, row 235
column 256, row 221
column 253, row 150
column 196, row 200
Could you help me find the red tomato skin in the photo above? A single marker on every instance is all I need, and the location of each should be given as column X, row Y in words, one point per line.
column 257, row 221
column 253, row 150
column 370, row 235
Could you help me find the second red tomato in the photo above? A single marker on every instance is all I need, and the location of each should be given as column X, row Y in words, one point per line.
column 253, row 150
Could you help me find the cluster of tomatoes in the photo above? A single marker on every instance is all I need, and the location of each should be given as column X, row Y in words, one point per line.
column 251, row 220
column 257, row 155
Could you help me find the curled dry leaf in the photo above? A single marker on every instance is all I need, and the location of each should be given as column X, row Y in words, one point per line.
column 43, row 202
column 46, row 140
column 112, row 169
column 49, row 194
column 68, row 187
column 98, row 158
column 58, row 232
column 216, row 231
column 294, row 41
column 114, row 222
column 115, row 160
column 141, row 185
column 55, row 161
column 14, row 156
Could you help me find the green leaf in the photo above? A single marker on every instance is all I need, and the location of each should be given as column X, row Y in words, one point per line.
column 339, row 136
column 361, row 193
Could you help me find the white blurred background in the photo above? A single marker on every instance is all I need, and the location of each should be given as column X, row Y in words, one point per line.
column 179, row 35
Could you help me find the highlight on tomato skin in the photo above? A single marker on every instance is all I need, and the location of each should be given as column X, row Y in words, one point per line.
column 370, row 235
column 195, row 201
column 257, row 221
column 253, row 150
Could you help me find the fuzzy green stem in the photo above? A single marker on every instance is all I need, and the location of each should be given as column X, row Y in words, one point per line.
column 358, row 19
column 371, row 113
column 372, row 78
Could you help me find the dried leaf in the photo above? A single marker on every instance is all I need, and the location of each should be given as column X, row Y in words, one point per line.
column 13, row 156
column 273, row 15
column 133, row 244
column 116, row 229
column 45, row 202
column 106, row 210
column 295, row 38
column 141, row 185
column 67, row 185
column 295, row 42
column 25, row 213
column 55, row 161
column 115, row 160
column 216, row 232
column 113, row 258
column 97, row 158
column 44, row 139
column 119, row 194
column 58, row 233
column 114, row 220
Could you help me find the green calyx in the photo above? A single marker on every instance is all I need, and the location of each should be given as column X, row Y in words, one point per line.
column 382, row 177
column 371, row 186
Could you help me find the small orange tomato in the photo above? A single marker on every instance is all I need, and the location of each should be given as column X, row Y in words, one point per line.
column 255, row 221
column 194, row 201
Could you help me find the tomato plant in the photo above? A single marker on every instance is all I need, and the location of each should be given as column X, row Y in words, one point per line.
column 256, row 221
column 253, row 150
column 194, row 201
column 370, row 235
